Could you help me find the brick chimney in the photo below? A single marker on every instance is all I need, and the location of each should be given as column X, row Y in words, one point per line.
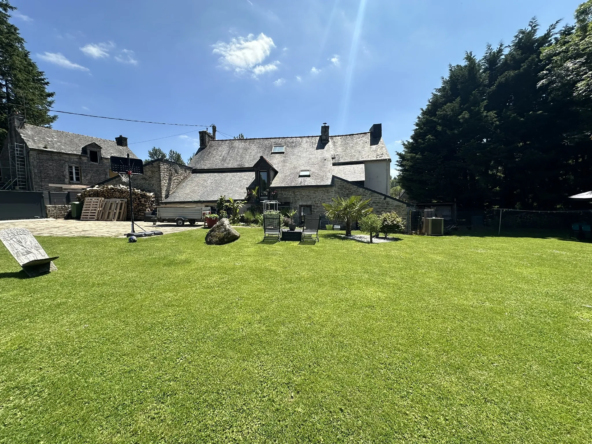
column 325, row 133
column 121, row 141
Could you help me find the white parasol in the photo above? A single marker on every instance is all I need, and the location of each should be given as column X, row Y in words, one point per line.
column 586, row 195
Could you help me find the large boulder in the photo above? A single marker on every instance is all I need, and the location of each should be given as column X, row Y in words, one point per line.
column 222, row 233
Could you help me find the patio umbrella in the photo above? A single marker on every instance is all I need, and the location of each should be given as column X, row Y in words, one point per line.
column 586, row 195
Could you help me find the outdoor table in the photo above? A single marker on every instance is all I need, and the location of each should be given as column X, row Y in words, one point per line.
column 288, row 235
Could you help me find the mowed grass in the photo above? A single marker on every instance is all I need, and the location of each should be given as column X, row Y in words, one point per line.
column 454, row 339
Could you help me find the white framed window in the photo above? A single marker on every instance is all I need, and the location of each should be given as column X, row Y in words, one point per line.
column 74, row 173
column 304, row 173
column 278, row 150
column 93, row 156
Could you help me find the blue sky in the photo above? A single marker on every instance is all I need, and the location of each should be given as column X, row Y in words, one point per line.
column 259, row 67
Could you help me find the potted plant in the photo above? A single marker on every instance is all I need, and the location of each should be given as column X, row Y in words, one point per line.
column 211, row 220
column 291, row 225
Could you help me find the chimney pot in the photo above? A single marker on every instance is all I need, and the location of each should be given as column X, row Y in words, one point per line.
column 121, row 141
column 214, row 132
column 325, row 133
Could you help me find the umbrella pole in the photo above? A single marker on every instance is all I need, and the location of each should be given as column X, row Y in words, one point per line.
column 500, row 223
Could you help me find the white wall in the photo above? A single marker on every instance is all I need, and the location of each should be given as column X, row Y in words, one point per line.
column 377, row 175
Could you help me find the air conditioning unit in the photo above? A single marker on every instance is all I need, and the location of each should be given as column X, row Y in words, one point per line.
column 434, row 226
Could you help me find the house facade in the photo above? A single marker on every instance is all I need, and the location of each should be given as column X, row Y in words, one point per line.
column 301, row 173
column 35, row 158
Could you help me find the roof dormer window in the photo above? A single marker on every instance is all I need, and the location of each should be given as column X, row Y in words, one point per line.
column 93, row 156
column 278, row 150
column 304, row 173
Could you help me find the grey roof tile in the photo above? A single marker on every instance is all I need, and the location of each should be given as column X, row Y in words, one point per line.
column 48, row 139
column 352, row 173
column 208, row 187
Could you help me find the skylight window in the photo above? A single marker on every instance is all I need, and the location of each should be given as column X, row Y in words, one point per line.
column 278, row 150
column 304, row 173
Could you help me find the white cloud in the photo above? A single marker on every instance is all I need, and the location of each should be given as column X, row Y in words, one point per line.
column 98, row 50
column 315, row 70
column 299, row 78
column 250, row 2
column 60, row 60
column 262, row 69
column 279, row 82
column 194, row 141
column 23, row 17
column 398, row 142
column 127, row 56
column 85, row 108
column 245, row 54
column 335, row 60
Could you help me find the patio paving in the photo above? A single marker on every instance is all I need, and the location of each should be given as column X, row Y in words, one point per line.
column 77, row 228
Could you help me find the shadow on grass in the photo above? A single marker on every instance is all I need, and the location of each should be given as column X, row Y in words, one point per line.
column 269, row 241
column 15, row 275
column 534, row 233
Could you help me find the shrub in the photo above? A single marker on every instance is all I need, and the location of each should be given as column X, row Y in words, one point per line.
column 371, row 223
column 259, row 219
column 248, row 217
column 391, row 223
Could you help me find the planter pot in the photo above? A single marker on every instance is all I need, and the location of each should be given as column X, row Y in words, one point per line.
column 292, row 227
column 210, row 222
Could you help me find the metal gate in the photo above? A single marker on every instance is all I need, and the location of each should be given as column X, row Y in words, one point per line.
column 21, row 205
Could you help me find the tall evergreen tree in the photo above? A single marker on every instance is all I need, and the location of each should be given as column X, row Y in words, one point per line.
column 23, row 87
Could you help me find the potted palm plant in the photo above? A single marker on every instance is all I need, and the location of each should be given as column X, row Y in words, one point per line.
column 291, row 225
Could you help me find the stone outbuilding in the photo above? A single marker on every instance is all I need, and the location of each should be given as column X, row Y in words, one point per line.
column 36, row 158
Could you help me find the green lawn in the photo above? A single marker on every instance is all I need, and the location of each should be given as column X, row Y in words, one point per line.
column 454, row 339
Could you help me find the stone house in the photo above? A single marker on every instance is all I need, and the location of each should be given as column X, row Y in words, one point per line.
column 35, row 158
column 301, row 173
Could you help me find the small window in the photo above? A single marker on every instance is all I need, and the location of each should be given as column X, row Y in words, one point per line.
column 278, row 150
column 304, row 173
column 74, row 173
column 93, row 156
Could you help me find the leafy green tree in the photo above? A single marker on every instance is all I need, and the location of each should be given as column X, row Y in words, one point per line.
column 156, row 154
column 23, row 87
column 371, row 224
column 174, row 156
column 348, row 210
column 240, row 136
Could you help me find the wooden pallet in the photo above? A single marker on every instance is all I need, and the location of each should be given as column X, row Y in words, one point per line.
column 92, row 208
column 112, row 209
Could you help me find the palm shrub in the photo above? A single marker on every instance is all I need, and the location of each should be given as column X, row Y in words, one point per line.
column 348, row 210
column 371, row 223
column 234, row 207
column 391, row 223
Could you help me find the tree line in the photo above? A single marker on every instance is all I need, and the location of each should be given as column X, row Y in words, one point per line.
column 510, row 129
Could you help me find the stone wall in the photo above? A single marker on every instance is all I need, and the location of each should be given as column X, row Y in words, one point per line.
column 160, row 177
column 317, row 196
column 57, row 211
column 50, row 167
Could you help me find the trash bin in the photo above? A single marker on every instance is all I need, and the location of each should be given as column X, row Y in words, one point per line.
column 76, row 208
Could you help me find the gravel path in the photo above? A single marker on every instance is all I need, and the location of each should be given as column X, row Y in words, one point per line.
column 77, row 228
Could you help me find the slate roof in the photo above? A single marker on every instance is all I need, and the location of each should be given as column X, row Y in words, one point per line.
column 47, row 139
column 301, row 153
column 208, row 187
column 352, row 173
